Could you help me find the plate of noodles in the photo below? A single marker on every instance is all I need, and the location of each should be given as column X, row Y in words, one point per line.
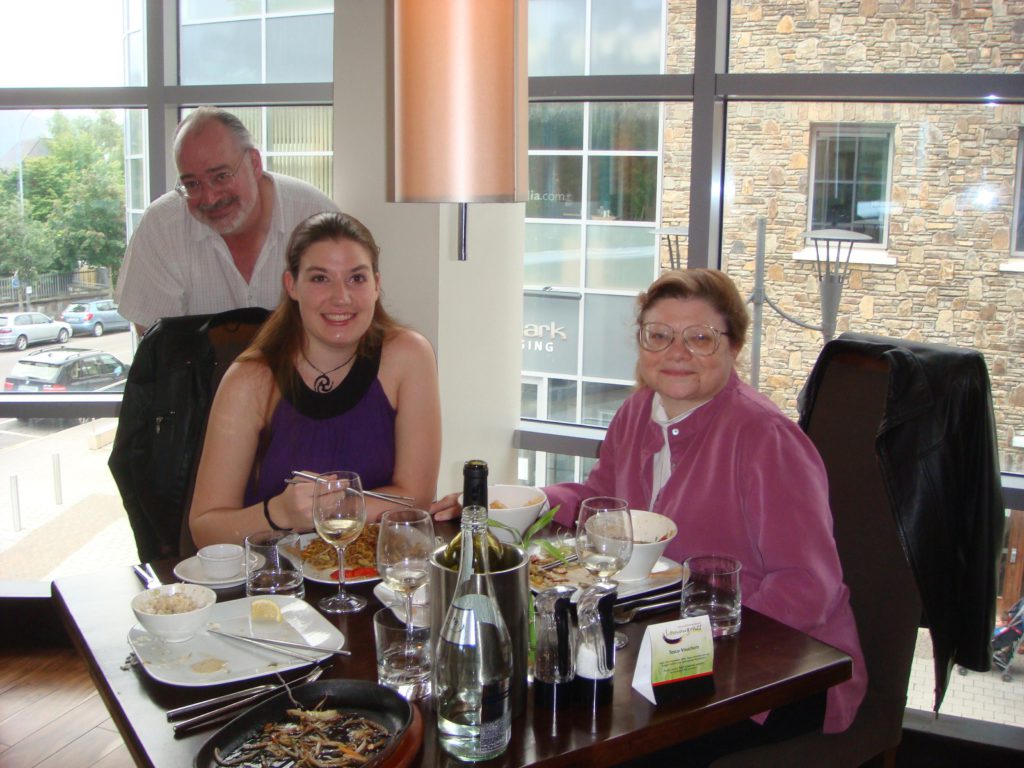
column 320, row 561
column 345, row 723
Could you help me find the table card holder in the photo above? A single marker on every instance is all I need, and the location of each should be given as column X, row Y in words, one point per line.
column 676, row 660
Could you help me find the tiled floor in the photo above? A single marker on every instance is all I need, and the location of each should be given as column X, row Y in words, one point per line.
column 976, row 695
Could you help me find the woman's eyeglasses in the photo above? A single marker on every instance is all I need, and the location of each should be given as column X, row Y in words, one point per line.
column 701, row 340
column 193, row 187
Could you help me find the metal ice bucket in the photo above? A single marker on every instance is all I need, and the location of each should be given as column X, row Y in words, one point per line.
column 512, row 589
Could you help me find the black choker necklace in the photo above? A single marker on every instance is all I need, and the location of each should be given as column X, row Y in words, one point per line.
column 322, row 383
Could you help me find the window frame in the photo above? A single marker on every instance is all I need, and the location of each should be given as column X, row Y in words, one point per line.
column 858, row 131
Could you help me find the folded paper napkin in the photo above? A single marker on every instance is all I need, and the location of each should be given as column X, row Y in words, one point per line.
column 420, row 605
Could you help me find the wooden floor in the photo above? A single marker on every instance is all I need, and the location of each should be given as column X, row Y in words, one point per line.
column 51, row 715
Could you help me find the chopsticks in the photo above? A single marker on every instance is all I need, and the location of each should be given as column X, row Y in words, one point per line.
column 567, row 560
column 147, row 575
column 283, row 646
column 404, row 501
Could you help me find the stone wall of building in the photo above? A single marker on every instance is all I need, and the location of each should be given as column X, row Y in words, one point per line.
column 951, row 193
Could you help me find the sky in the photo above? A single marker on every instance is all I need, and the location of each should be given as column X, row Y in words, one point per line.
column 49, row 43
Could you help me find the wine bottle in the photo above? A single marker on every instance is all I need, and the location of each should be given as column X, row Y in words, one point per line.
column 473, row 659
column 474, row 493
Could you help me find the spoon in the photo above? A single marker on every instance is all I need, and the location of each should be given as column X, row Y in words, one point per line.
column 626, row 615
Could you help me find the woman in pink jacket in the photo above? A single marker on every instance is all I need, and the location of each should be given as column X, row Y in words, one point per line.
column 737, row 476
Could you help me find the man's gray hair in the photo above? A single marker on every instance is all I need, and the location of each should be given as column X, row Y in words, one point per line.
column 202, row 115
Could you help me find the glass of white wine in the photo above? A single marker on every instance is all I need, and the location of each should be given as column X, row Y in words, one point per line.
column 339, row 514
column 404, row 546
column 604, row 540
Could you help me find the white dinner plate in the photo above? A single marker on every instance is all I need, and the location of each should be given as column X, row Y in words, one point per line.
column 665, row 573
column 323, row 575
column 191, row 570
column 209, row 659
column 420, row 605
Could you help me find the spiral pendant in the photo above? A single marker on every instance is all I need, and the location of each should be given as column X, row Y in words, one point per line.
column 322, row 383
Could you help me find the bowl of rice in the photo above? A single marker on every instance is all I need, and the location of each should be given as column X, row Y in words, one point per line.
column 174, row 612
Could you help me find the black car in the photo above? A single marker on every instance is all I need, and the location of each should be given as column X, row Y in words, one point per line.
column 67, row 369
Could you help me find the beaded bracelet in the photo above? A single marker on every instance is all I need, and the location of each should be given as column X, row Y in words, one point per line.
column 266, row 514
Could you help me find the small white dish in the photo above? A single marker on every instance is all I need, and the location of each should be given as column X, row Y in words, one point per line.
column 420, row 603
column 191, row 570
column 221, row 561
column 207, row 659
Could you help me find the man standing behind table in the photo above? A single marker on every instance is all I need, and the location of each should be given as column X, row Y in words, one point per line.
column 217, row 241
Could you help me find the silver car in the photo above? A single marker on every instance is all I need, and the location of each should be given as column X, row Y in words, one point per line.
column 94, row 317
column 19, row 329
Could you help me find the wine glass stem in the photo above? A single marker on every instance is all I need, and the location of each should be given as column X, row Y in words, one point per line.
column 341, row 571
column 408, row 616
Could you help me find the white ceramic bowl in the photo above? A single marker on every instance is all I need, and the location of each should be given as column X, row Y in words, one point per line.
column 518, row 506
column 221, row 561
column 173, row 627
column 651, row 534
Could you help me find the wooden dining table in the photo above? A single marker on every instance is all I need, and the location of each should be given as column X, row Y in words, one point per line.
column 766, row 665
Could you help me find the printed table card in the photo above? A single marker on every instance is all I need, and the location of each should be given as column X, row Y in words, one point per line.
column 676, row 659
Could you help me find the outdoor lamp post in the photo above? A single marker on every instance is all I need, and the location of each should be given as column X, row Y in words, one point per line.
column 833, row 271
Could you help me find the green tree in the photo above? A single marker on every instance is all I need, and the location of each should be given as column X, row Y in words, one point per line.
column 76, row 192
column 25, row 245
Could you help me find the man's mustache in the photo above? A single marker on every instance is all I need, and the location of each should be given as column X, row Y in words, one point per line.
column 218, row 205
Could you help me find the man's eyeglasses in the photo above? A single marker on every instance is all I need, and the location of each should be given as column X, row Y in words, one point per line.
column 701, row 340
column 193, row 187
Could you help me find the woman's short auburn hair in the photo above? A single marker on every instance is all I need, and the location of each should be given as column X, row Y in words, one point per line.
column 713, row 286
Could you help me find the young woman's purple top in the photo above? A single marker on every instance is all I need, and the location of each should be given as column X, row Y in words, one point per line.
column 351, row 427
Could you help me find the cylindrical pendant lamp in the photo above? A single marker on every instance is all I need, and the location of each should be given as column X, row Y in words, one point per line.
column 460, row 101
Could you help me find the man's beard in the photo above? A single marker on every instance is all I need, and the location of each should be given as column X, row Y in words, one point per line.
column 228, row 226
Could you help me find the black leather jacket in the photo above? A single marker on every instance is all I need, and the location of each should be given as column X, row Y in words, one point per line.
column 159, row 437
column 936, row 447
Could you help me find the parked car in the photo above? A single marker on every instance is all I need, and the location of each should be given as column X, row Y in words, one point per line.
column 67, row 369
column 19, row 329
column 94, row 317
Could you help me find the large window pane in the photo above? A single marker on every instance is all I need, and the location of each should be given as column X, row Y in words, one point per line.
column 309, row 62
column 557, row 37
column 556, row 126
column 621, row 127
column 556, row 187
column 225, row 43
column 625, row 37
column 228, row 52
column 551, row 333
column 609, row 350
column 620, row 258
column 623, row 188
column 601, row 401
column 62, row 43
column 924, row 36
column 552, row 256
column 204, row 10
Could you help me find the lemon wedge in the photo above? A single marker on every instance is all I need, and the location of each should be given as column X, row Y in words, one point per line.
column 265, row 610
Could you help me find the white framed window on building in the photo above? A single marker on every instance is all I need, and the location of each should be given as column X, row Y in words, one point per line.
column 851, row 179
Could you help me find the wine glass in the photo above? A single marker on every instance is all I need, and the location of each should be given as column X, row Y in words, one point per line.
column 604, row 541
column 339, row 514
column 404, row 545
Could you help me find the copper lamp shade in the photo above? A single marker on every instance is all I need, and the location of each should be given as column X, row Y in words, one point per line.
column 460, row 101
